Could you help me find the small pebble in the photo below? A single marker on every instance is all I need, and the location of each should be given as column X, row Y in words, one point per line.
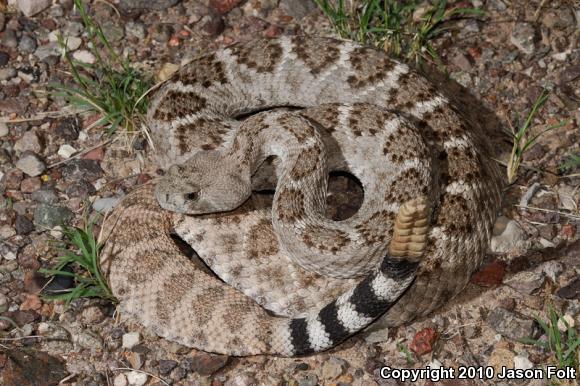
column 522, row 363
column 3, row 303
column 131, row 339
column 105, row 204
column 31, row 165
column 565, row 322
column 84, row 56
column 136, row 378
column 120, row 380
column 66, row 151
column 4, row 129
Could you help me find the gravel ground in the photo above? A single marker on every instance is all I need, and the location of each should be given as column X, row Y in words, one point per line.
column 504, row 60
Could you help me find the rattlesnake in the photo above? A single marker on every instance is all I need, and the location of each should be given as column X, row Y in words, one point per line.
column 195, row 109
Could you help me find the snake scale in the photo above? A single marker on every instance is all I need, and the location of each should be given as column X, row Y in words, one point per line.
column 344, row 90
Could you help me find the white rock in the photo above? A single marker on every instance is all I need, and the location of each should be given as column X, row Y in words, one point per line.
column 31, row 165
column 73, row 43
column 84, row 56
column 131, row 339
column 568, row 319
column 522, row 363
column 136, row 378
column 66, row 151
column 552, row 269
column 105, row 204
column 4, row 129
column 435, row 364
column 511, row 240
column 53, row 35
column 32, row 7
column 120, row 380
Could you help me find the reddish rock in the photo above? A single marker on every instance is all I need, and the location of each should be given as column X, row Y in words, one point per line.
column 12, row 179
column 568, row 231
column 96, row 154
column 30, row 184
column 206, row 364
column 423, row 341
column 272, row 31
column 223, row 6
column 32, row 368
column 490, row 275
column 31, row 302
column 143, row 178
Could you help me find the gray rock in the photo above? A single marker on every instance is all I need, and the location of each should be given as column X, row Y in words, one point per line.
column 165, row 366
column 73, row 28
column 7, row 73
column 526, row 282
column 28, row 142
column 45, row 196
column 8, row 251
column 27, row 44
column 82, row 169
column 158, row 5
column 113, row 31
column 510, row 325
column 2, row 21
column 241, row 380
column 23, row 225
column 462, row 62
column 4, row 129
column 4, row 57
column 89, row 340
column 50, row 216
column 45, row 51
column 522, row 37
column 80, row 188
column 308, row 379
column 9, row 38
column 297, row 8
column 31, row 165
column 136, row 29
column 32, row 7
column 105, row 204
column 59, row 342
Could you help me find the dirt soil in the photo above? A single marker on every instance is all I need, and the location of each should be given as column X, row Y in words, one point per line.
column 503, row 59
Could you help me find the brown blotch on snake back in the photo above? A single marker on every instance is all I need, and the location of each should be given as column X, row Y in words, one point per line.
column 179, row 104
column 315, row 57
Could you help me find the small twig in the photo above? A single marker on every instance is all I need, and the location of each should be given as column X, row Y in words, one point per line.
column 549, row 211
column 67, row 378
column 12, row 322
column 537, row 13
column 23, row 337
column 141, row 371
column 44, row 115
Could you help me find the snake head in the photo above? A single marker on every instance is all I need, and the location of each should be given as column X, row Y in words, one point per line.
column 205, row 183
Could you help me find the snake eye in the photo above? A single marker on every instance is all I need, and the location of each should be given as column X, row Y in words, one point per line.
column 193, row 196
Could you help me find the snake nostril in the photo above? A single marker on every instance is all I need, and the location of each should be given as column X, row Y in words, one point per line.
column 191, row 196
